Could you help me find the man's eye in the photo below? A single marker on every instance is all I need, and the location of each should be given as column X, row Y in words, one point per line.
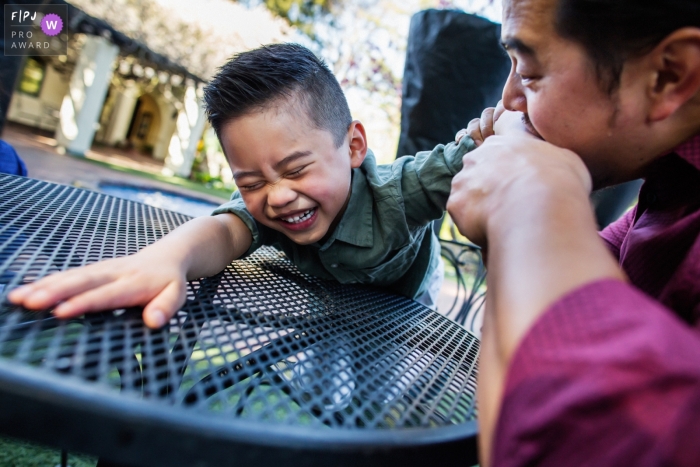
column 526, row 78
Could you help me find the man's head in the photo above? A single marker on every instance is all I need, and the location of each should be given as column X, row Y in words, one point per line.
column 286, row 130
column 614, row 80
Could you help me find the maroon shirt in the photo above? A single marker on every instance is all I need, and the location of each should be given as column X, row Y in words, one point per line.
column 610, row 374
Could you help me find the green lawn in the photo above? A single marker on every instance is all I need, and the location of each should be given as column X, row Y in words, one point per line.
column 15, row 453
column 224, row 194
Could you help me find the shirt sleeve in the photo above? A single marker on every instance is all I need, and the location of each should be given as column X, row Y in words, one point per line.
column 237, row 206
column 10, row 162
column 614, row 234
column 426, row 179
column 606, row 377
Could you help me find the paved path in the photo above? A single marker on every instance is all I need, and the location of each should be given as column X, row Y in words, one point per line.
column 45, row 163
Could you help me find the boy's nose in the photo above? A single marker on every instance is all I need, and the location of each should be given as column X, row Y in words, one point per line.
column 280, row 195
column 513, row 96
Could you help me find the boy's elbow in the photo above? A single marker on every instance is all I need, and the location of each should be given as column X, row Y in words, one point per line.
column 237, row 234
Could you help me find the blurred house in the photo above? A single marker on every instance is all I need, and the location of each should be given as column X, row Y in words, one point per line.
column 113, row 90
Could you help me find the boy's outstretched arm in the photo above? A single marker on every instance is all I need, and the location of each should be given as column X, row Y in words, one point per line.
column 155, row 277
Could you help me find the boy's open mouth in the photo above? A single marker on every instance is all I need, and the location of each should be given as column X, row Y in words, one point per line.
column 300, row 221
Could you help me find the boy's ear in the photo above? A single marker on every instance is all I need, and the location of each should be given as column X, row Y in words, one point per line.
column 358, row 143
column 676, row 78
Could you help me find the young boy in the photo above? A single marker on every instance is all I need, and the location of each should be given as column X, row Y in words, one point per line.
column 307, row 184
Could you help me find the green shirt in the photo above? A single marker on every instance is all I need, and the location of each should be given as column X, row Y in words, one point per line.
column 384, row 237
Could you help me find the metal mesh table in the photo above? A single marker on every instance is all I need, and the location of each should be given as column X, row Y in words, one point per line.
column 262, row 364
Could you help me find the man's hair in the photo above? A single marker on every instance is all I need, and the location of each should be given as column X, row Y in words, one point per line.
column 255, row 80
column 613, row 31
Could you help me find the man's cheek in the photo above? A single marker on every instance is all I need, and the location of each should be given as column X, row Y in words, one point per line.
column 547, row 125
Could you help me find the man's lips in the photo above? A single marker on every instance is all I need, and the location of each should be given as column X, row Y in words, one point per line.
column 530, row 128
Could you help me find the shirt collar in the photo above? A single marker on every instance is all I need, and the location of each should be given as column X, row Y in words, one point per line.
column 356, row 225
column 690, row 151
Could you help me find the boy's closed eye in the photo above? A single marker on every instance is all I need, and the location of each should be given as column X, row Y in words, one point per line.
column 296, row 172
column 252, row 186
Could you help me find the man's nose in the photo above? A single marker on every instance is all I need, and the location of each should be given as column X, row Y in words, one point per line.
column 280, row 195
column 513, row 95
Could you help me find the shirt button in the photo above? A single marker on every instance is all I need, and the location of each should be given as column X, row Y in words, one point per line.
column 334, row 265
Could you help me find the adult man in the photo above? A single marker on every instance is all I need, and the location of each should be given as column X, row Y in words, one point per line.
column 578, row 367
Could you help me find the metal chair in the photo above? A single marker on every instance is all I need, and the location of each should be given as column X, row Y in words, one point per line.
column 465, row 280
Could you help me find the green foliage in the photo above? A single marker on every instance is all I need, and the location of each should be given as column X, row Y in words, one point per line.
column 215, row 183
column 298, row 12
column 15, row 453
column 200, row 170
column 301, row 14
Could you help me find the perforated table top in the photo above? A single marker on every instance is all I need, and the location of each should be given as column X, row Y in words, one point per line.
column 262, row 364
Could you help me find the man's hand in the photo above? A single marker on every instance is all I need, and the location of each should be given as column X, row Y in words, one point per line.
column 508, row 171
column 512, row 124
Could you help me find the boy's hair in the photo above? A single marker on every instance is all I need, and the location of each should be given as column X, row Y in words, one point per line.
column 613, row 31
column 253, row 80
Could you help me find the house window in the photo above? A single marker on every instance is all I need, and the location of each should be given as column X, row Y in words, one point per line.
column 32, row 77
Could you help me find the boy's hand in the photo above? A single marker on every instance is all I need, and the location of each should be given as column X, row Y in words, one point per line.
column 147, row 278
column 155, row 277
column 481, row 128
column 496, row 121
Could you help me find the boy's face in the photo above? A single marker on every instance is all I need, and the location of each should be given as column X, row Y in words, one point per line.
column 291, row 176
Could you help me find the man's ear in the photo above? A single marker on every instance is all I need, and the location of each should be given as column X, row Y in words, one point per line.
column 676, row 62
column 358, row 143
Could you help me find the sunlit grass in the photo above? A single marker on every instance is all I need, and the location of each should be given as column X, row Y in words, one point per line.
column 177, row 181
column 16, row 453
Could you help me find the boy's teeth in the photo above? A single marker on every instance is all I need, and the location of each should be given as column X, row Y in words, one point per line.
column 299, row 218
